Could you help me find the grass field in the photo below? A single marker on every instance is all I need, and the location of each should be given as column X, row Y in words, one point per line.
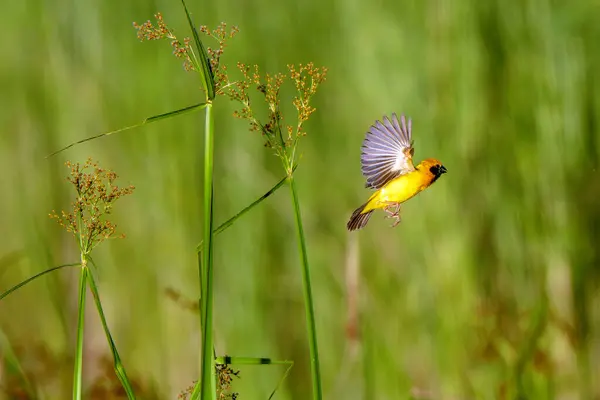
column 488, row 289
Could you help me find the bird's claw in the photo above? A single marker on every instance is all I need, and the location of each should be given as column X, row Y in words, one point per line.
column 395, row 214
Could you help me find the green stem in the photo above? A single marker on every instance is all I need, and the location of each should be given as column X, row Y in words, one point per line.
column 208, row 378
column 308, row 300
column 77, row 384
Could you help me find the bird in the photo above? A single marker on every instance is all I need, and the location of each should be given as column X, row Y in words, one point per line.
column 387, row 164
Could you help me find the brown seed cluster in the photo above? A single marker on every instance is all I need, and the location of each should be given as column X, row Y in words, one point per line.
column 221, row 35
column 147, row 31
column 269, row 87
column 225, row 375
column 183, row 51
column 307, row 79
column 187, row 392
column 238, row 91
column 96, row 195
column 279, row 136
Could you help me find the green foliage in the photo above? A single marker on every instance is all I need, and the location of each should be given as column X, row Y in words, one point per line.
column 487, row 288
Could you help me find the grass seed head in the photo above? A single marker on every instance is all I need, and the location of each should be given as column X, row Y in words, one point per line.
column 96, row 194
column 225, row 375
column 182, row 50
column 281, row 137
column 221, row 35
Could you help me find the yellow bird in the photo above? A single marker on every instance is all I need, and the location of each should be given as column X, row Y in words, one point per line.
column 387, row 164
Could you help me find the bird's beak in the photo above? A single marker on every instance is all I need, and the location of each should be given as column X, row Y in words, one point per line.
column 443, row 169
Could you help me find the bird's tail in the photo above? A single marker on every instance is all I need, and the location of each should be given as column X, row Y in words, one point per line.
column 359, row 219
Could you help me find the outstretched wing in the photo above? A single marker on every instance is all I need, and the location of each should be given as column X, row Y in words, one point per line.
column 387, row 151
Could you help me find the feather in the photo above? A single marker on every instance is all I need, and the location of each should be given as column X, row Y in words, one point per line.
column 387, row 151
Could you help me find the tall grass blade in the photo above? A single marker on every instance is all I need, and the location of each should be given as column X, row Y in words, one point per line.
column 118, row 365
column 146, row 121
column 26, row 281
column 308, row 298
column 256, row 202
column 78, row 372
column 206, row 75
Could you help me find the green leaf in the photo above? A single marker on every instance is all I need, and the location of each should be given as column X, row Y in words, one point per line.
column 147, row 121
column 26, row 281
column 208, row 80
column 229, row 360
column 117, row 364
column 231, row 220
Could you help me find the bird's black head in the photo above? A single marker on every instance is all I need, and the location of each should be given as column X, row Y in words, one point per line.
column 437, row 170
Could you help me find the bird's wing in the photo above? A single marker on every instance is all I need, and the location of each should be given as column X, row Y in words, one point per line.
column 387, row 151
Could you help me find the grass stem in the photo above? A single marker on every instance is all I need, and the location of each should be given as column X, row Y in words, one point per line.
column 208, row 378
column 308, row 299
column 77, row 376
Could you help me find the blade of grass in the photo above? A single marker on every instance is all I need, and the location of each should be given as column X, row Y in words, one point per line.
column 26, row 281
column 231, row 220
column 117, row 364
column 308, row 299
column 206, row 76
column 78, row 372
column 146, row 121
column 232, row 360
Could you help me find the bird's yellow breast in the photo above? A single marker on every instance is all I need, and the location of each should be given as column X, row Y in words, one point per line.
column 399, row 190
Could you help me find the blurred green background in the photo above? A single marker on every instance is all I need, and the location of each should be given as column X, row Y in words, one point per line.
column 489, row 287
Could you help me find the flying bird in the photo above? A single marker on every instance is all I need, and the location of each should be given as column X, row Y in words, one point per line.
column 387, row 164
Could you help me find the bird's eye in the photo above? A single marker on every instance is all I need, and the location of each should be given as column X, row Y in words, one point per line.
column 435, row 169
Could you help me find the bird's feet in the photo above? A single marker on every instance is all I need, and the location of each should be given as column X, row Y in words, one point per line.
column 393, row 213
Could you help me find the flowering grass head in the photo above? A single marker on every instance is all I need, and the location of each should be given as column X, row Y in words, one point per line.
column 96, row 194
column 279, row 135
